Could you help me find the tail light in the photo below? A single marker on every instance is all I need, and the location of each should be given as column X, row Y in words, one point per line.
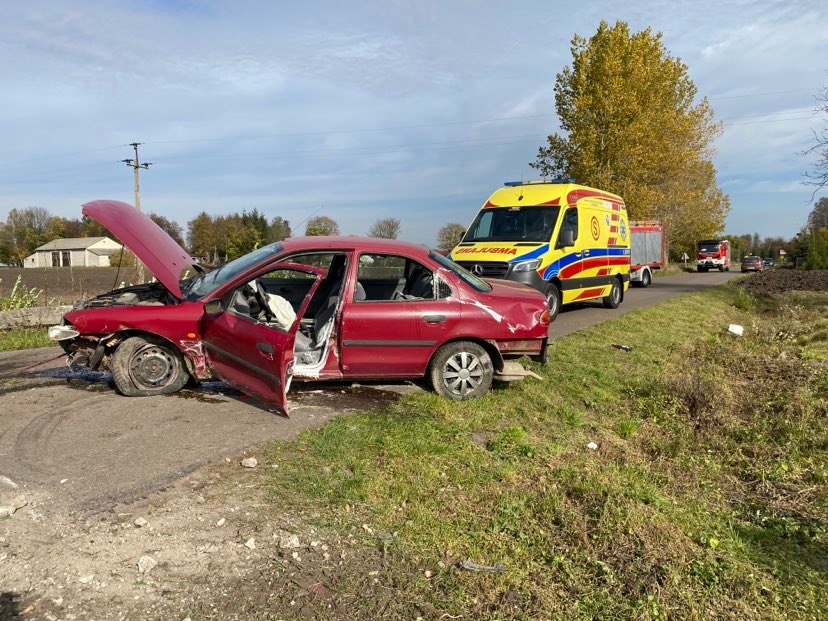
column 543, row 318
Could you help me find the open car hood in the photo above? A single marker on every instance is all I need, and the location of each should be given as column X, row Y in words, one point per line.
column 150, row 243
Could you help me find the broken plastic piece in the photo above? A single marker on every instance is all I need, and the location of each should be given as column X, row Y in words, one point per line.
column 736, row 329
column 622, row 347
column 472, row 566
column 513, row 371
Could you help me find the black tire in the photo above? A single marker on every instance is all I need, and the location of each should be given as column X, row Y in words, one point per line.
column 646, row 279
column 144, row 368
column 553, row 299
column 721, row 268
column 613, row 300
column 698, row 269
column 461, row 370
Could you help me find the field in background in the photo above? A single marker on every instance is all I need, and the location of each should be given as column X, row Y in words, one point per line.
column 65, row 285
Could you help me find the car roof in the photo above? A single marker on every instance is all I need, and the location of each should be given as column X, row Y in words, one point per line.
column 352, row 242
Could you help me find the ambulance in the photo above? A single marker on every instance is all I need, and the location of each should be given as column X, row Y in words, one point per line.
column 570, row 241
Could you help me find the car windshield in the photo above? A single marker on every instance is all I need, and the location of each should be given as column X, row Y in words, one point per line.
column 533, row 224
column 204, row 284
column 709, row 246
column 469, row 278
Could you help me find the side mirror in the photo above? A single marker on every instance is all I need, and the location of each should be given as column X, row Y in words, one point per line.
column 213, row 307
column 567, row 238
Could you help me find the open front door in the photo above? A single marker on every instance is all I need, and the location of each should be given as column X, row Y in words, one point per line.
column 250, row 346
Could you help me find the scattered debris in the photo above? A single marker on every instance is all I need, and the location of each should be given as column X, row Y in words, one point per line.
column 736, row 329
column 140, row 522
column 592, row 446
column 622, row 347
column 17, row 503
column 145, row 564
column 221, row 522
column 62, row 481
column 250, row 544
column 472, row 566
column 250, row 462
column 428, row 573
column 86, row 579
column 514, row 371
column 290, row 541
column 7, row 481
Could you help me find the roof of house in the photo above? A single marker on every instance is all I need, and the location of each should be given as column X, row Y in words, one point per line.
column 71, row 243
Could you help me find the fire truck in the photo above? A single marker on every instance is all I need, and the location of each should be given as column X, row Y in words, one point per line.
column 713, row 254
column 646, row 251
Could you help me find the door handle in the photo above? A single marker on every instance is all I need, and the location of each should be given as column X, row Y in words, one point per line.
column 265, row 347
column 434, row 318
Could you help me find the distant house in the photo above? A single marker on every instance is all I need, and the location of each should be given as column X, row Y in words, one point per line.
column 74, row 252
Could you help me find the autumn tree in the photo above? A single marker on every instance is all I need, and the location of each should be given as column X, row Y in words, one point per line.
column 450, row 235
column 321, row 225
column 385, row 228
column 818, row 218
column 202, row 237
column 279, row 229
column 25, row 230
column 632, row 126
column 171, row 227
column 818, row 176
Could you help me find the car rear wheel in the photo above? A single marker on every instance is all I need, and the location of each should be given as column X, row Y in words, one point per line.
column 461, row 370
column 143, row 368
column 553, row 299
column 613, row 300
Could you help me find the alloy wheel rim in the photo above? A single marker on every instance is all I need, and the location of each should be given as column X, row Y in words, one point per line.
column 463, row 373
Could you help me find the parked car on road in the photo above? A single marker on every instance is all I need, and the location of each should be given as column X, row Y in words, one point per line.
column 752, row 264
column 307, row 308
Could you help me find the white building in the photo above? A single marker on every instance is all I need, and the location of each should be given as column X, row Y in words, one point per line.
column 74, row 252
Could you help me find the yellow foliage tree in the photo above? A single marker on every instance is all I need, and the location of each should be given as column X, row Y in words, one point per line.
column 633, row 127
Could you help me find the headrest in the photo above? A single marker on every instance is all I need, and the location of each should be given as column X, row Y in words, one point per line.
column 359, row 292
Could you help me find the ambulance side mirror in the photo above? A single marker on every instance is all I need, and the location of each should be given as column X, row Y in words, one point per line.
column 567, row 238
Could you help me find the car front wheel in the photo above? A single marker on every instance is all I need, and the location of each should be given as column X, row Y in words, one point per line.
column 461, row 370
column 143, row 368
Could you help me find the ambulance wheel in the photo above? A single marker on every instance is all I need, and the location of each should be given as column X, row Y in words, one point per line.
column 613, row 300
column 553, row 298
column 646, row 279
column 721, row 268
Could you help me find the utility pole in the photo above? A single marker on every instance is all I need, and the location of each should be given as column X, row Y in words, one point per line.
column 136, row 165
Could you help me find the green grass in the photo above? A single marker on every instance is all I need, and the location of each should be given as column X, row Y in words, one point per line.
column 707, row 497
column 24, row 338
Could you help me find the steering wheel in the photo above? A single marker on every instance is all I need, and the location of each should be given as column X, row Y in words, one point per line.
column 261, row 298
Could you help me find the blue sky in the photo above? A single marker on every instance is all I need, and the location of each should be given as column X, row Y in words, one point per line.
column 364, row 110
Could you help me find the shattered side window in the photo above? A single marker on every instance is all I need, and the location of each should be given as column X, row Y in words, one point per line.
column 442, row 291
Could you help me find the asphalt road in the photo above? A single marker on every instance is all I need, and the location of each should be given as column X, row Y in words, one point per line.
column 72, row 446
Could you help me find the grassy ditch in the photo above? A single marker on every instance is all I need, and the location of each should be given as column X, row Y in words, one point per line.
column 706, row 497
column 24, row 338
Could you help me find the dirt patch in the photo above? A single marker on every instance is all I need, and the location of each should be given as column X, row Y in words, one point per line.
column 66, row 285
column 209, row 548
column 783, row 280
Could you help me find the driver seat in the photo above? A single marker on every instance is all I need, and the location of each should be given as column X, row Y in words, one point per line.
column 322, row 326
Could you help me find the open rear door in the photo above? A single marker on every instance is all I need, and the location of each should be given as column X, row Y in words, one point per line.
column 254, row 356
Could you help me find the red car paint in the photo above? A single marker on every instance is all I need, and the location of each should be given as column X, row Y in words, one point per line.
column 372, row 335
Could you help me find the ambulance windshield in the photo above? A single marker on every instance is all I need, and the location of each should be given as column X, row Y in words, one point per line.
column 515, row 224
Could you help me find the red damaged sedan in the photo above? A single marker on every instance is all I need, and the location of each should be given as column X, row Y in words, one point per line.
column 312, row 308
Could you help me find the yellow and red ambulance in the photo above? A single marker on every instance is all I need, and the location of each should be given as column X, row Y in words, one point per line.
column 570, row 241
